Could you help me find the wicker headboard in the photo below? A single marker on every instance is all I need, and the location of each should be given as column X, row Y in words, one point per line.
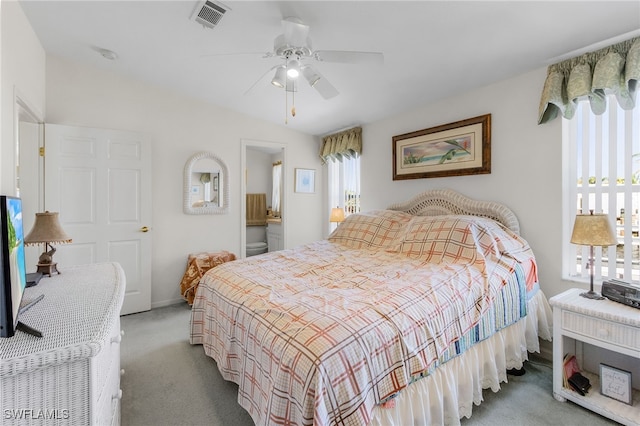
column 445, row 201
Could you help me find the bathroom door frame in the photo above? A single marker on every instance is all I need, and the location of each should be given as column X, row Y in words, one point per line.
column 268, row 146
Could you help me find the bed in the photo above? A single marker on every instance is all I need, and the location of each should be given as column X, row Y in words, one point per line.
column 401, row 316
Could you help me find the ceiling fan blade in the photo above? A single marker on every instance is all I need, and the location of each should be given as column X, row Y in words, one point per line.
column 263, row 54
column 323, row 86
column 261, row 77
column 349, row 57
column 295, row 32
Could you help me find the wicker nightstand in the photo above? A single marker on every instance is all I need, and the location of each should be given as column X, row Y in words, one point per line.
column 603, row 323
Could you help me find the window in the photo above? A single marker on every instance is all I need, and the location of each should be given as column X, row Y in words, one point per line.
column 602, row 173
column 344, row 184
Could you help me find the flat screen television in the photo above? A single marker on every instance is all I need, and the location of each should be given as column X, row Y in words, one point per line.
column 12, row 265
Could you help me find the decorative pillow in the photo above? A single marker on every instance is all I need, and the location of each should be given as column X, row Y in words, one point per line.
column 375, row 229
column 457, row 239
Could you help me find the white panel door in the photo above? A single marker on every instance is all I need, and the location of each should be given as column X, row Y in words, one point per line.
column 100, row 182
column 30, row 183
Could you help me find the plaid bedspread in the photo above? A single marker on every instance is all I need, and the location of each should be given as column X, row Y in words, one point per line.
column 322, row 333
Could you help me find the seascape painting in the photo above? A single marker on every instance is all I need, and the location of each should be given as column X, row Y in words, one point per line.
column 454, row 149
column 439, row 152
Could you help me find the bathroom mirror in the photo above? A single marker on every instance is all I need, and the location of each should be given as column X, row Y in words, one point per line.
column 206, row 185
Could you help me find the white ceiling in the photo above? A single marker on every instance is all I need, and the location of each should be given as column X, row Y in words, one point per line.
column 432, row 49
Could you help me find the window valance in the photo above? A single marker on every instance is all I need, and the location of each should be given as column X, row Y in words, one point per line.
column 614, row 69
column 346, row 144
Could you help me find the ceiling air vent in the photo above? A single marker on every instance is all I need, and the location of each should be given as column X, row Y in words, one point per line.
column 208, row 13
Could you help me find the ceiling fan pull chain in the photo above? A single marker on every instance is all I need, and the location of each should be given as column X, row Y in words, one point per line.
column 293, row 99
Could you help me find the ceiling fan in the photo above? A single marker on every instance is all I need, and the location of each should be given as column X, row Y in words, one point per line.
column 293, row 46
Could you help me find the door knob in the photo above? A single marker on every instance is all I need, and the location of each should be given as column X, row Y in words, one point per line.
column 144, row 229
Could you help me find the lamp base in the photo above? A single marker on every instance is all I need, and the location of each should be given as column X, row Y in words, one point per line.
column 48, row 268
column 592, row 295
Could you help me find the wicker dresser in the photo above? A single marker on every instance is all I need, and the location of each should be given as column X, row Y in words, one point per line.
column 71, row 375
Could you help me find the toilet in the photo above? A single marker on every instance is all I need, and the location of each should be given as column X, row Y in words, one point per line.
column 256, row 248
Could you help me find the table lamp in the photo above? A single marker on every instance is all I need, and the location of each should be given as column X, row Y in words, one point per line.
column 337, row 216
column 47, row 230
column 592, row 230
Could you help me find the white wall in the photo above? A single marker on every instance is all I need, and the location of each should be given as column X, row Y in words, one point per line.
column 179, row 127
column 259, row 167
column 526, row 168
column 22, row 74
column 526, row 157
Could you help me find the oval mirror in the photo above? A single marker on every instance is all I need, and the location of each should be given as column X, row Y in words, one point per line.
column 206, row 185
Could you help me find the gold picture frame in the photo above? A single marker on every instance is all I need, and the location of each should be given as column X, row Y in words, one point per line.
column 455, row 149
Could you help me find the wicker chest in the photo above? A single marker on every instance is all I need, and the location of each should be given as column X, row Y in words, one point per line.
column 71, row 375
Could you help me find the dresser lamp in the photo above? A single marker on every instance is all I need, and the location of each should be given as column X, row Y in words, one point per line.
column 592, row 230
column 47, row 230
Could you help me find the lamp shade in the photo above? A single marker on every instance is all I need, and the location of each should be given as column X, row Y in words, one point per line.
column 593, row 230
column 280, row 77
column 46, row 229
column 337, row 215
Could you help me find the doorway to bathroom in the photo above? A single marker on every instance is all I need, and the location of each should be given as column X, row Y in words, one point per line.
column 263, row 222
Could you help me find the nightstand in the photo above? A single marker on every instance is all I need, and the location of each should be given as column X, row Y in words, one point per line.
column 602, row 323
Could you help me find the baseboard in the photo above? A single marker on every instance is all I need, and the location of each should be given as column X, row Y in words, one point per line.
column 163, row 303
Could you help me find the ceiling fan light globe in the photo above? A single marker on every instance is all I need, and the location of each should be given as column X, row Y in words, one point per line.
column 293, row 69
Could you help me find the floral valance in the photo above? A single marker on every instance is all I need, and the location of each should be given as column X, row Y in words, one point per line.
column 346, row 144
column 614, row 69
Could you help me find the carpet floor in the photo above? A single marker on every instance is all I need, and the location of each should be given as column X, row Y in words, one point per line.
column 169, row 382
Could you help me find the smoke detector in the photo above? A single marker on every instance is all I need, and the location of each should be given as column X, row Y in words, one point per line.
column 208, row 13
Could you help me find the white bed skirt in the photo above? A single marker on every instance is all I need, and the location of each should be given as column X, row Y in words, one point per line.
column 450, row 392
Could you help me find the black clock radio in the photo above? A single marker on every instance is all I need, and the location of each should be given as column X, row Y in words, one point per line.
column 622, row 292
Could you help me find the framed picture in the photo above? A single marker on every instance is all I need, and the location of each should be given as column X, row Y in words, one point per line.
column 454, row 149
column 305, row 180
column 616, row 383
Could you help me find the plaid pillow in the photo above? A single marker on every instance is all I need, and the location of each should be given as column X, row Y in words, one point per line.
column 457, row 239
column 375, row 229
